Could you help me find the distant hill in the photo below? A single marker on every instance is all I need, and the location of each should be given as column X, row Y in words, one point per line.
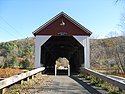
column 104, row 53
column 108, row 53
column 17, row 53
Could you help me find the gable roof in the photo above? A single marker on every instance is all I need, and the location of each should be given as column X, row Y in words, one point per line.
column 40, row 30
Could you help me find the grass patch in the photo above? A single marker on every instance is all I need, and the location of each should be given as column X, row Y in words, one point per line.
column 100, row 83
column 8, row 72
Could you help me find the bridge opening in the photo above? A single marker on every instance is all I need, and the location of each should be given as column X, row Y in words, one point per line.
column 62, row 46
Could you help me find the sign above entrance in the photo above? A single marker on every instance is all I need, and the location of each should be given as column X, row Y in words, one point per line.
column 63, row 33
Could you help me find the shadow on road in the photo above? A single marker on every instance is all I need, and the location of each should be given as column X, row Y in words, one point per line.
column 86, row 86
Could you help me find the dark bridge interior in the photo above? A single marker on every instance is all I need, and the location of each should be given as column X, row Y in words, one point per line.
column 62, row 46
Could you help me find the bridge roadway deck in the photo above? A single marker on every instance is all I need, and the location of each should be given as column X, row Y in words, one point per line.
column 70, row 85
column 60, row 84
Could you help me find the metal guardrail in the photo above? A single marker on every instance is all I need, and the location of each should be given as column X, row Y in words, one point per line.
column 13, row 79
column 106, row 78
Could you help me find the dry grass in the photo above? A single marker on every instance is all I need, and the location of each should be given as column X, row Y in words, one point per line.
column 33, row 86
column 8, row 72
column 121, row 75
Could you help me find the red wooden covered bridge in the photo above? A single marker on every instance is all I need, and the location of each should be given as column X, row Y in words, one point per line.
column 62, row 36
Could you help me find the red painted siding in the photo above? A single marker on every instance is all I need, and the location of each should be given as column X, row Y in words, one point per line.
column 68, row 29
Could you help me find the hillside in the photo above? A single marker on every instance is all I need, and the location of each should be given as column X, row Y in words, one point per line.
column 106, row 53
column 17, row 54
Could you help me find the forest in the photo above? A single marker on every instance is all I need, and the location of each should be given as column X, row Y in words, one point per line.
column 108, row 54
column 105, row 54
column 17, row 54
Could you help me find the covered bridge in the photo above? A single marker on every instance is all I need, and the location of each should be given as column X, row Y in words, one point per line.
column 62, row 36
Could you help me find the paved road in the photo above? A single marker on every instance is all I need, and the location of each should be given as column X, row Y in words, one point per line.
column 55, row 85
column 69, row 85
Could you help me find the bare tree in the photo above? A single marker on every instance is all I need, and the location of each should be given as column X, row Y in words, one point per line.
column 122, row 24
column 119, row 1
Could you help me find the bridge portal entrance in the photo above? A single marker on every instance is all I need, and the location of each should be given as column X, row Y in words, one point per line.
column 62, row 37
column 62, row 46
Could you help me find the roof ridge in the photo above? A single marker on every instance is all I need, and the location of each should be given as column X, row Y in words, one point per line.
column 56, row 17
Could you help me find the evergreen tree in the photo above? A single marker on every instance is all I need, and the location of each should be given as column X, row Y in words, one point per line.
column 25, row 63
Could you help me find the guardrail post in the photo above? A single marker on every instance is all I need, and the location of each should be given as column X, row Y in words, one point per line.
column 19, row 82
column 28, row 78
column 2, row 91
column 32, row 77
column 84, row 73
